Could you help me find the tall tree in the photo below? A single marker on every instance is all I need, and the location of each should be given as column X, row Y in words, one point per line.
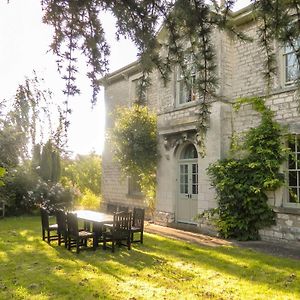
column 50, row 169
column 46, row 162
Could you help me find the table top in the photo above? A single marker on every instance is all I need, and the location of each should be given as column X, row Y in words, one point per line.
column 94, row 216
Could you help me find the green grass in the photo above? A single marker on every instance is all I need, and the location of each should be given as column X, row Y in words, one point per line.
column 162, row 268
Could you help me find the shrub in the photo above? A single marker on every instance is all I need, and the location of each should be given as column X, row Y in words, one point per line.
column 89, row 200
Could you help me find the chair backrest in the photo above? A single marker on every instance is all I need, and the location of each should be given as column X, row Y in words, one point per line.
column 122, row 220
column 72, row 224
column 111, row 208
column 138, row 217
column 44, row 218
column 123, row 208
column 61, row 220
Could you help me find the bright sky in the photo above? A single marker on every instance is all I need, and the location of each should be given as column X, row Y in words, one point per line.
column 24, row 42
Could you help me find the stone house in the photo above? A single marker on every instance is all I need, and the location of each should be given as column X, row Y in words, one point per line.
column 183, row 187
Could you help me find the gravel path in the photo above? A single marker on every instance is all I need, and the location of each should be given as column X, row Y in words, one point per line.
column 288, row 250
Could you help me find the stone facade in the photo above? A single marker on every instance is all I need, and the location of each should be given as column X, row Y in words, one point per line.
column 240, row 67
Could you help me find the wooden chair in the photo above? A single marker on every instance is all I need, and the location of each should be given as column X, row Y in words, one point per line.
column 78, row 238
column 47, row 228
column 61, row 219
column 111, row 208
column 138, row 224
column 119, row 231
column 123, row 208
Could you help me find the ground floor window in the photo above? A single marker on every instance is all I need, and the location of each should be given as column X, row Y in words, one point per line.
column 294, row 170
column 134, row 188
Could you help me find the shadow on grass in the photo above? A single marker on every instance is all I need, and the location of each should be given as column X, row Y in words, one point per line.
column 31, row 268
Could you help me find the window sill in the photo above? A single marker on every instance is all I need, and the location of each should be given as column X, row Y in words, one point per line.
column 135, row 196
column 295, row 210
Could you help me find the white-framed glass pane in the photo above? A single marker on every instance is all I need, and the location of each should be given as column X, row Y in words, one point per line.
column 189, row 152
column 294, row 170
column 195, row 179
column 184, row 179
column 291, row 67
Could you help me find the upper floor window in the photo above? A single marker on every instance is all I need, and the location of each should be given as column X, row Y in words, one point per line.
column 186, row 89
column 139, row 92
column 291, row 65
column 294, row 170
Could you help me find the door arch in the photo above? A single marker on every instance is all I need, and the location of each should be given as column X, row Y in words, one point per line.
column 187, row 200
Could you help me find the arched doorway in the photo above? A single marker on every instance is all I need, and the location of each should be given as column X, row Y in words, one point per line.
column 187, row 203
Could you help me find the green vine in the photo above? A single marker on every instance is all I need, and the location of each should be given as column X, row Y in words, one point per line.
column 242, row 184
column 135, row 147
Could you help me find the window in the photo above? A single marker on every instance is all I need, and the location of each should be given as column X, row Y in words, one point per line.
column 134, row 188
column 291, row 66
column 294, row 170
column 186, row 90
column 189, row 152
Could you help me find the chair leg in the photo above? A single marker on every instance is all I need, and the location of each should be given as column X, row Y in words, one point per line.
column 69, row 243
column 59, row 239
column 95, row 243
column 104, row 242
column 129, row 242
column 48, row 236
column 113, row 246
column 77, row 246
column 65, row 240
column 43, row 234
column 142, row 237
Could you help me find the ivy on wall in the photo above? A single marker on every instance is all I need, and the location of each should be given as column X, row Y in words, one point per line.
column 242, row 184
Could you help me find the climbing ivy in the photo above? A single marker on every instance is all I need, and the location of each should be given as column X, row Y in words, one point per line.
column 242, row 184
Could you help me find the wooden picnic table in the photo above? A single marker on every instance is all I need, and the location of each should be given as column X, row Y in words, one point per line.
column 96, row 219
column 94, row 216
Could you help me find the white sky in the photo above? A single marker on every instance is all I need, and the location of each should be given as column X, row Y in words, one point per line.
column 24, row 42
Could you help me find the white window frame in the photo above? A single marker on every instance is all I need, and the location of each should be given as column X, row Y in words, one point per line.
column 296, row 170
column 289, row 53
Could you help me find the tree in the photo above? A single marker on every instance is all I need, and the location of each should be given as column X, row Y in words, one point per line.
column 50, row 169
column 83, row 172
column 135, row 148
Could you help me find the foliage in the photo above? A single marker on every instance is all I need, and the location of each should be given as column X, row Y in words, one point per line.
column 160, row 268
column 50, row 169
column 89, row 200
column 242, row 184
column 18, row 183
column 135, row 147
column 135, row 140
column 2, row 173
column 52, row 196
column 11, row 145
column 83, row 172
column 24, row 190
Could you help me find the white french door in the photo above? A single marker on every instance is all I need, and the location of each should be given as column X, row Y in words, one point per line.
column 187, row 204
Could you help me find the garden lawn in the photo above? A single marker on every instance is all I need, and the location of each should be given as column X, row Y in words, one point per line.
column 162, row 268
